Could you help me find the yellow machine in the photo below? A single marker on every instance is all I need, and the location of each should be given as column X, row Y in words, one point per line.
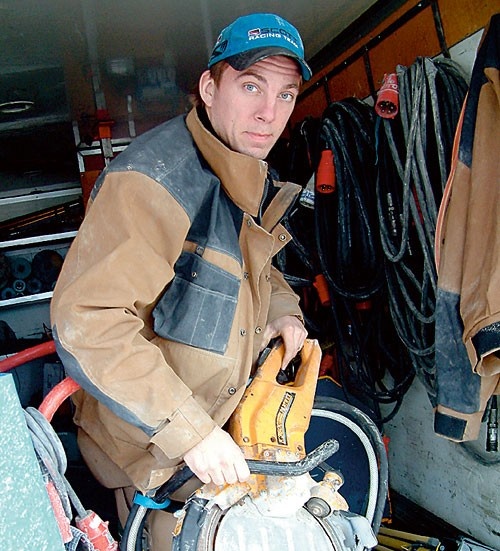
column 272, row 418
column 281, row 507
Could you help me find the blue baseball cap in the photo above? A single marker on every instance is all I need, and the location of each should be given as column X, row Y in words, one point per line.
column 251, row 38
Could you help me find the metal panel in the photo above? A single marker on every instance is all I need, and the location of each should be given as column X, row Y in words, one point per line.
column 28, row 523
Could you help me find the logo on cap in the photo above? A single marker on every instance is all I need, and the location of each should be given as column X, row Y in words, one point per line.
column 269, row 32
column 220, row 47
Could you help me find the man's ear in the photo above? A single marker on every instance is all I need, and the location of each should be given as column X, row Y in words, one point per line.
column 206, row 87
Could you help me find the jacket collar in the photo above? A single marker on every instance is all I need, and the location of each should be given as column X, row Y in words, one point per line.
column 242, row 177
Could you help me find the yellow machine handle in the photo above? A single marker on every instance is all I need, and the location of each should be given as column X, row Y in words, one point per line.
column 272, row 418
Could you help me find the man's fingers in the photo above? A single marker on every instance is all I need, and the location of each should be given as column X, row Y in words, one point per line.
column 291, row 330
column 217, row 459
column 230, row 474
column 242, row 470
column 268, row 334
column 218, row 477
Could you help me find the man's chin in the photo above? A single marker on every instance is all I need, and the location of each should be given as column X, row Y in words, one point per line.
column 257, row 151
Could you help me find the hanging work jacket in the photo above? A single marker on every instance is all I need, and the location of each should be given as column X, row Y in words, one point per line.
column 164, row 293
column 468, row 257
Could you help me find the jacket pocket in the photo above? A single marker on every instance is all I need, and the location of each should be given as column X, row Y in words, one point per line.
column 198, row 307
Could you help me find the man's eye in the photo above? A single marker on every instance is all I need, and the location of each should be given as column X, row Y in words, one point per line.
column 287, row 96
column 250, row 87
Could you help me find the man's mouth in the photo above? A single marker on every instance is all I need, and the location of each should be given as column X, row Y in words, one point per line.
column 259, row 137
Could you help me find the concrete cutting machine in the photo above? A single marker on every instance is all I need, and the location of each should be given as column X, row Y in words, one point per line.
column 281, row 507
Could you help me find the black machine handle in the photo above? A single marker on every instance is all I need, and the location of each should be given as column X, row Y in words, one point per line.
column 257, row 466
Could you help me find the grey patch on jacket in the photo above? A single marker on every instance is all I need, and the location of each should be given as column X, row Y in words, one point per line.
column 74, row 370
column 458, row 387
column 199, row 305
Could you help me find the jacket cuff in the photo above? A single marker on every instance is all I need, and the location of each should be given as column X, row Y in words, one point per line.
column 486, row 343
column 289, row 310
column 188, row 426
column 456, row 426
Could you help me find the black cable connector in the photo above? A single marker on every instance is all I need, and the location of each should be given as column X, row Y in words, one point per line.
column 492, row 426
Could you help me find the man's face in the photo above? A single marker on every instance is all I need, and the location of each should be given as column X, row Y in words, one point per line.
column 249, row 109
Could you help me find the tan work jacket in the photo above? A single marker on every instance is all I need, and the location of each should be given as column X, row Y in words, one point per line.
column 467, row 255
column 159, row 324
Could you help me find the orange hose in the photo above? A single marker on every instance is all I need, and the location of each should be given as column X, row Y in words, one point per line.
column 56, row 397
column 59, row 393
column 27, row 355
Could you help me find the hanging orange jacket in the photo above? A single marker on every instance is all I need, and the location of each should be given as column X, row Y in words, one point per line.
column 468, row 257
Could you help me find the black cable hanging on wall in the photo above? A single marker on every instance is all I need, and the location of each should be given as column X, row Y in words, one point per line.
column 351, row 259
column 374, row 223
column 414, row 155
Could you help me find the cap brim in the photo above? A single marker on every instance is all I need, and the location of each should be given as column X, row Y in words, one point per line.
column 242, row 61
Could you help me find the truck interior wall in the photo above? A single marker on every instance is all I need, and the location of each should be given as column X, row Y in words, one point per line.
column 356, row 66
column 456, row 482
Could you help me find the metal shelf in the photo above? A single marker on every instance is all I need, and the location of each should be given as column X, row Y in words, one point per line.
column 26, row 299
column 38, row 239
column 15, row 246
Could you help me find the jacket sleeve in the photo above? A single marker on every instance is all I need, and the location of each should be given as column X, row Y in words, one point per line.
column 114, row 272
column 284, row 301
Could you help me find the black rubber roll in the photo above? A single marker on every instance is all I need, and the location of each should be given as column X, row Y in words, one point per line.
column 46, row 266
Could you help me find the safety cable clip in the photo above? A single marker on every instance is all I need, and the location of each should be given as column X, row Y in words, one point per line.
column 149, row 502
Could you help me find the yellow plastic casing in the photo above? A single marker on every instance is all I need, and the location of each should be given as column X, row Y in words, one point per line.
column 272, row 418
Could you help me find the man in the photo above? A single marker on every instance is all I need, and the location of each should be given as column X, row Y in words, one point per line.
column 168, row 294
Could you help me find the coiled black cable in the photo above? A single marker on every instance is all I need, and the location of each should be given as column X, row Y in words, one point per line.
column 414, row 157
column 350, row 256
column 374, row 367
column 346, row 236
column 374, row 235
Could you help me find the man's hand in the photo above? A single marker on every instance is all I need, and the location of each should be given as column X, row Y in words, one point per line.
column 293, row 333
column 217, row 459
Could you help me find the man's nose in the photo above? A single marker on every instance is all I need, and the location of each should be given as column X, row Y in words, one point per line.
column 267, row 109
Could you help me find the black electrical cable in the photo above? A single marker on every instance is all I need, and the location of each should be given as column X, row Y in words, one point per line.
column 368, row 351
column 347, row 244
column 413, row 158
column 351, row 258
column 300, row 224
column 374, row 234
column 299, row 264
column 132, row 532
column 302, row 152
